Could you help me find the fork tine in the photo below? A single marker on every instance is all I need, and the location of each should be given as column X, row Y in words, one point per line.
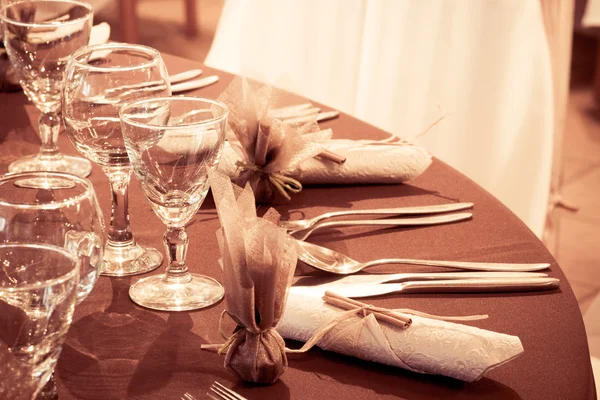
column 222, row 393
column 187, row 396
column 219, row 395
column 225, row 392
column 229, row 391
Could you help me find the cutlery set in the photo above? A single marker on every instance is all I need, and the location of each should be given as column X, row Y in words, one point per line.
column 181, row 82
column 498, row 276
column 185, row 81
column 492, row 277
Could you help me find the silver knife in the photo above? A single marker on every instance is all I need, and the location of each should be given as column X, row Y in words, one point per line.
column 327, row 115
column 322, row 116
column 293, row 113
column 184, row 76
column 488, row 285
column 195, row 84
column 378, row 279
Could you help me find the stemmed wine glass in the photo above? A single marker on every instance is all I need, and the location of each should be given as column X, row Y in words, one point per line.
column 51, row 234
column 172, row 144
column 39, row 37
column 99, row 80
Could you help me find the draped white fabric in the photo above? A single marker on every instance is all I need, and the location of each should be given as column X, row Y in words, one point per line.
column 401, row 64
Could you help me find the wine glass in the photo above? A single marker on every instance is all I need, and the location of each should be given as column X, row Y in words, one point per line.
column 172, row 144
column 99, row 80
column 51, row 235
column 53, row 208
column 39, row 37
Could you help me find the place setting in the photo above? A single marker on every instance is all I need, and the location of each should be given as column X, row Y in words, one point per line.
column 254, row 149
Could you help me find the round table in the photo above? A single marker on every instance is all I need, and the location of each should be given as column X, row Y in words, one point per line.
column 117, row 350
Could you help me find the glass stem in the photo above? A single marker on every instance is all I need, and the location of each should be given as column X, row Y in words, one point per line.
column 176, row 241
column 119, row 233
column 49, row 125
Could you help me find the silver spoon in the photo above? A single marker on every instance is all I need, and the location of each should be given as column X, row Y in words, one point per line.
column 331, row 261
column 442, row 208
column 302, row 234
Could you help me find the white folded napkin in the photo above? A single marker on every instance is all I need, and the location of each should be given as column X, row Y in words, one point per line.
column 367, row 162
column 428, row 346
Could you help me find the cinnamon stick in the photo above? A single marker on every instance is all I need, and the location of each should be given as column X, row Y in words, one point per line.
column 381, row 314
column 331, row 156
column 262, row 144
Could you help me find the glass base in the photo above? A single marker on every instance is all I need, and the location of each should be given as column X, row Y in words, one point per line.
column 129, row 260
column 190, row 292
column 60, row 163
column 49, row 392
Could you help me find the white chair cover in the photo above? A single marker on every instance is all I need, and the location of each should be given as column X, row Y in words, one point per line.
column 591, row 16
column 400, row 65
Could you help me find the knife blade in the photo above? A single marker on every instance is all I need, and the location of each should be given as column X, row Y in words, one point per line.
column 322, row 116
column 377, row 279
column 196, row 84
column 486, row 285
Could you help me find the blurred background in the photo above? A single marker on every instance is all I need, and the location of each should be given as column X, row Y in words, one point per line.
column 181, row 27
column 187, row 28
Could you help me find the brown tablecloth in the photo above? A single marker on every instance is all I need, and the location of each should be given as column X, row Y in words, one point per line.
column 117, row 350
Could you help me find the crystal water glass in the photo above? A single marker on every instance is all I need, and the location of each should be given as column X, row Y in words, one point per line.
column 51, row 243
column 57, row 209
column 99, row 80
column 39, row 37
column 173, row 143
column 38, row 289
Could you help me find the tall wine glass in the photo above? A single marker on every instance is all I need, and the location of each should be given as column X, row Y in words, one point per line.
column 172, row 144
column 51, row 233
column 99, row 80
column 39, row 37
column 53, row 208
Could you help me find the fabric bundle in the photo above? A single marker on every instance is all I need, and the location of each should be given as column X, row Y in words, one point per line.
column 258, row 260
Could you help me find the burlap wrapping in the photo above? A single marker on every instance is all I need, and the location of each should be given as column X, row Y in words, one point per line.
column 258, row 357
column 258, row 260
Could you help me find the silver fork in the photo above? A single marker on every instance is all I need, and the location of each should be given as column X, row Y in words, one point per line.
column 225, row 393
column 303, row 234
column 442, row 208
